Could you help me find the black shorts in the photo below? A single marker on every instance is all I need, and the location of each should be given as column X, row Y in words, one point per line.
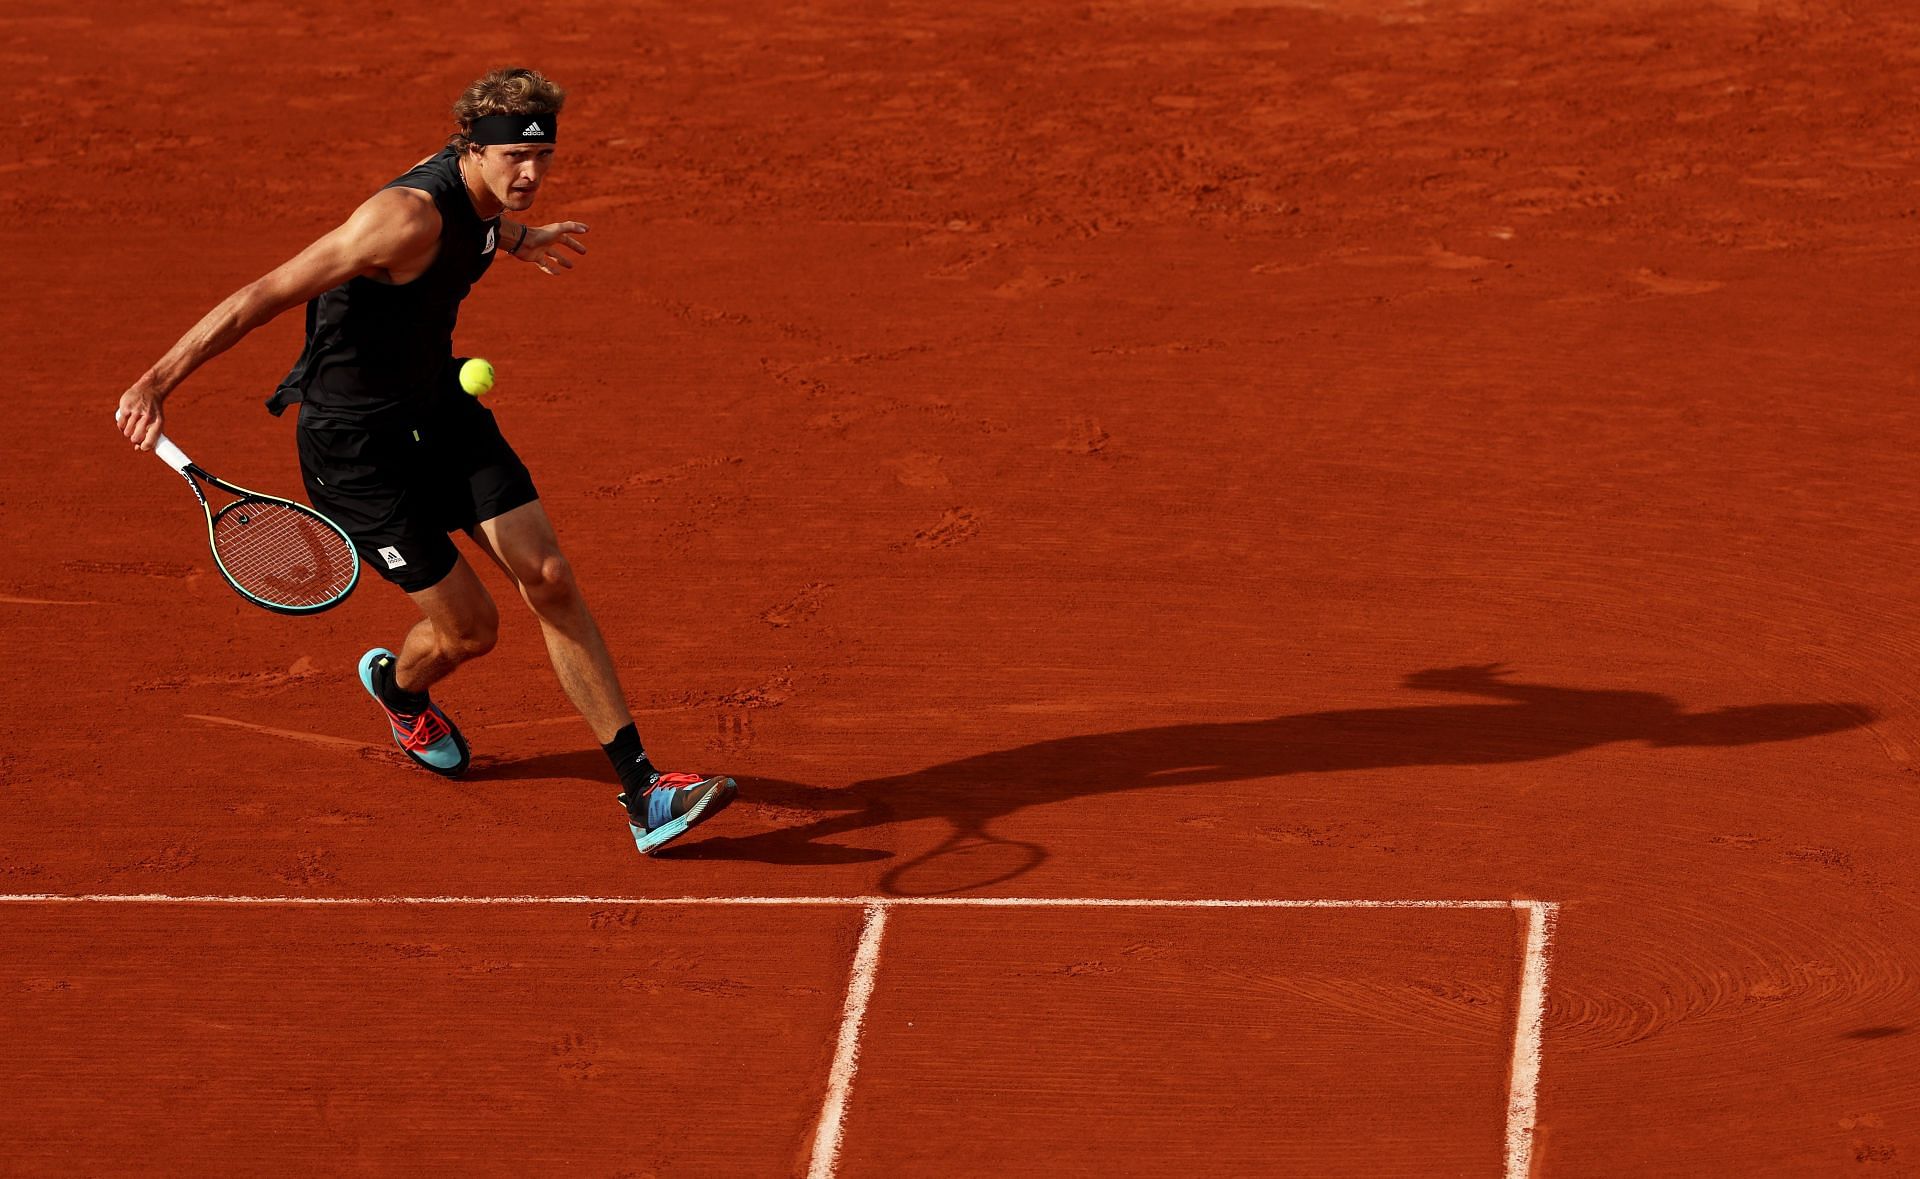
column 400, row 490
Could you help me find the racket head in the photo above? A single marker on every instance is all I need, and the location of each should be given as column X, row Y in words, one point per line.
column 283, row 556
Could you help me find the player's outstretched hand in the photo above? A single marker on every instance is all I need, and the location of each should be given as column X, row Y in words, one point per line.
column 139, row 416
column 543, row 244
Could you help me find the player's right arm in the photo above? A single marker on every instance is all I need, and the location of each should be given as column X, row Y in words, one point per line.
column 394, row 230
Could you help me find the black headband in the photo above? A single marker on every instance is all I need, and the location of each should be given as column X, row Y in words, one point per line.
column 489, row 130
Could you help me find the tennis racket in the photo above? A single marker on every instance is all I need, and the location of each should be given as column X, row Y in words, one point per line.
column 276, row 553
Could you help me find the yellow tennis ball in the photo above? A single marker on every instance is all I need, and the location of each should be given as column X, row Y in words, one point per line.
column 476, row 376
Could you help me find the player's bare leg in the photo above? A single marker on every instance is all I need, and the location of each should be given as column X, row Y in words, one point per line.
column 523, row 543
column 458, row 622
column 660, row 806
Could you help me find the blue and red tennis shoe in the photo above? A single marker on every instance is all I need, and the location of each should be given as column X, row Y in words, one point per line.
column 427, row 737
column 673, row 805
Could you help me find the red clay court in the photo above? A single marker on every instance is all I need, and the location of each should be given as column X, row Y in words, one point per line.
column 1308, row 588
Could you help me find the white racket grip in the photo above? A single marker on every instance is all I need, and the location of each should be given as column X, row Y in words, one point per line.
column 170, row 454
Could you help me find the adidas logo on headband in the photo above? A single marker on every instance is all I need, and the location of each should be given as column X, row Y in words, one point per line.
column 504, row 129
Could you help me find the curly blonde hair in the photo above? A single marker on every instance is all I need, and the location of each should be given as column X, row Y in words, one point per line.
column 515, row 91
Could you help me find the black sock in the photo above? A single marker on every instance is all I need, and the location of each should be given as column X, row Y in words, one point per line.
column 386, row 684
column 630, row 762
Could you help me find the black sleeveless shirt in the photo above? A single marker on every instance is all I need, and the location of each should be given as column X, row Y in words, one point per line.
column 376, row 350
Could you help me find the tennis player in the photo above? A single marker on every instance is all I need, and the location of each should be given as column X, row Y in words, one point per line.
column 401, row 457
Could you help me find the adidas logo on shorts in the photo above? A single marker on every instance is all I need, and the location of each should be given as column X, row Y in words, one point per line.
column 392, row 557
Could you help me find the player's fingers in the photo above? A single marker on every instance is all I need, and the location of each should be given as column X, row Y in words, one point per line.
column 575, row 227
column 573, row 243
column 150, row 437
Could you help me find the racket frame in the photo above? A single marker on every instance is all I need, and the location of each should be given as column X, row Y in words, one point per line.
column 195, row 474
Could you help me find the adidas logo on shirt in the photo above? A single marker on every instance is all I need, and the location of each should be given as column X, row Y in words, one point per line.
column 532, row 130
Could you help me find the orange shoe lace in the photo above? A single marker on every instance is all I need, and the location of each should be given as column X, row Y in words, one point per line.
column 676, row 781
column 418, row 732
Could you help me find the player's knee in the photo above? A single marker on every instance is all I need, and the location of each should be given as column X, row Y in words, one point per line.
column 550, row 582
column 478, row 642
column 470, row 638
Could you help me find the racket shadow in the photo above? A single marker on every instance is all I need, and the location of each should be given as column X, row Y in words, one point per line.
column 1514, row 722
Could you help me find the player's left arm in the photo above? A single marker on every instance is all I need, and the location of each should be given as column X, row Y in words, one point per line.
column 541, row 244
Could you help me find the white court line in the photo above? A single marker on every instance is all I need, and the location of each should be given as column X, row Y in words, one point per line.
column 157, row 898
column 1524, row 1077
column 1524, row 1081
column 846, row 1055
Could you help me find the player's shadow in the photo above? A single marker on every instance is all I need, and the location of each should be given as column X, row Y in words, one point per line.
column 1521, row 722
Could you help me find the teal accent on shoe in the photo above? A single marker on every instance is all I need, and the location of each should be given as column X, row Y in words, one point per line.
column 713, row 799
column 448, row 756
column 366, row 671
column 660, row 803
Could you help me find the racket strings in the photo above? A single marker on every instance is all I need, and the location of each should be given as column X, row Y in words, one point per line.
column 282, row 553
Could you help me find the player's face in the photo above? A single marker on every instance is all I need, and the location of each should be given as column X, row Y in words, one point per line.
column 513, row 173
